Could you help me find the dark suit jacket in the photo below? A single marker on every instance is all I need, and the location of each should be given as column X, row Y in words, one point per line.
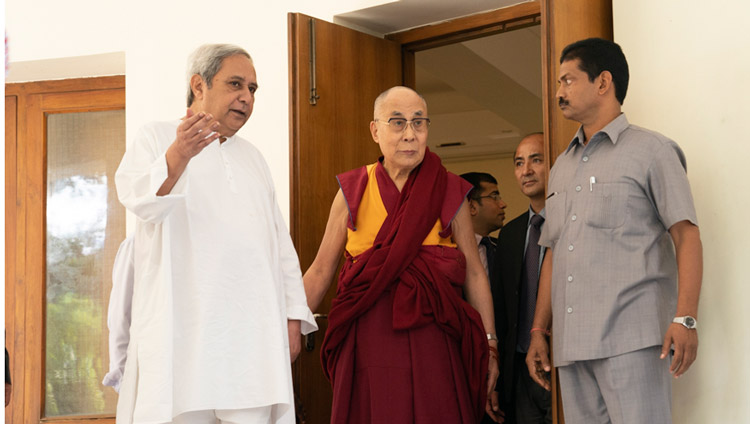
column 508, row 264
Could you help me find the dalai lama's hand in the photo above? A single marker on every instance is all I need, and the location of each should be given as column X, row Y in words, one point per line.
column 295, row 338
column 493, row 406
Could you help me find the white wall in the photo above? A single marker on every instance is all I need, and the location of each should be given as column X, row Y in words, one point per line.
column 690, row 80
column 157, row 36
column 690, row 65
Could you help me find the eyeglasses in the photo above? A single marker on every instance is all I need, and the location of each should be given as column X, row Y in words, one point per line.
column 399, row 124
column 494, row 196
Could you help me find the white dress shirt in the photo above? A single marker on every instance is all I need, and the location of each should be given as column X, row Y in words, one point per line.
column 482, row 254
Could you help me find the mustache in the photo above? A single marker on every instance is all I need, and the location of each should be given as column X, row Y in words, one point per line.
column 562, row 102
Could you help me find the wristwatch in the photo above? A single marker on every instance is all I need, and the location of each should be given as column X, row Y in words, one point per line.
column 688, row 321
column 491, row 336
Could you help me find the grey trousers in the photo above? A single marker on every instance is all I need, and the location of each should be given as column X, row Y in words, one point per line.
column 631, row 388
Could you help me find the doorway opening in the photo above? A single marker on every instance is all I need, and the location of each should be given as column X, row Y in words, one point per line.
column 484, row 95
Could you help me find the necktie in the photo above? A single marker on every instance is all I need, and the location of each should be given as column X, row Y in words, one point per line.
column 489, row 247
column 529, row 284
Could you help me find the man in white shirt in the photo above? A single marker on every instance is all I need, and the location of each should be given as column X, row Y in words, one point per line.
column 218, row 302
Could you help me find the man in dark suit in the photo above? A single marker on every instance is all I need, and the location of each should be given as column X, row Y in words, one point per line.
column 487, row 211
column 517, row 264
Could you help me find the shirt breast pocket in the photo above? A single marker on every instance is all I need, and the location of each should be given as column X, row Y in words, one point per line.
column 608, row 207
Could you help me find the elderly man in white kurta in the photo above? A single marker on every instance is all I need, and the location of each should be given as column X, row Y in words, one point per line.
column 218, row 302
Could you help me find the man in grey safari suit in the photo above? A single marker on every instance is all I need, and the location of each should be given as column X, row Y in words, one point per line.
column 620, row 231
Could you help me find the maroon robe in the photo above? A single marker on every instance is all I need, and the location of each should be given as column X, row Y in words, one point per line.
column 402, row 346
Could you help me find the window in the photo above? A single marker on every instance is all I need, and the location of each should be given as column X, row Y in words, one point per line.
column 63, row 227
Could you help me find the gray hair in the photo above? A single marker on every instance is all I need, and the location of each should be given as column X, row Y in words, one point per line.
column 206, row 61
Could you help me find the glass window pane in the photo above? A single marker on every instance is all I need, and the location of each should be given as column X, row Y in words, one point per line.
column 85, row 225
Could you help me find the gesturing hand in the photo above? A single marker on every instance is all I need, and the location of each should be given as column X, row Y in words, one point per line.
column 195, row 133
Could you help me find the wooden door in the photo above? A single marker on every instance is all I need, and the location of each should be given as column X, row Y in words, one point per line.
column 565, row 22
column 335, row 75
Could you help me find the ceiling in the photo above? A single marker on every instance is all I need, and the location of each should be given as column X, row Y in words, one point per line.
column 405, row 14
column 484, row 94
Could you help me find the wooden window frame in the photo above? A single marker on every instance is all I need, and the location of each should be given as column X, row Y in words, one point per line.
column 25, row 228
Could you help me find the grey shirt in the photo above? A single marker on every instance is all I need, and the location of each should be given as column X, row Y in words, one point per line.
column 609, row 209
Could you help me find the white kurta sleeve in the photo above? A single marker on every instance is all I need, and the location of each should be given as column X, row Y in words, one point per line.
column 296, row 300
column 294, row 290
column 142, row 172
column 118, row 314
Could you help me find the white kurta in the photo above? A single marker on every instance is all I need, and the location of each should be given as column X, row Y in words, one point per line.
column 216, row 278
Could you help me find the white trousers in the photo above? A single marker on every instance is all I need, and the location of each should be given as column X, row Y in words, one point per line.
column 261, row 415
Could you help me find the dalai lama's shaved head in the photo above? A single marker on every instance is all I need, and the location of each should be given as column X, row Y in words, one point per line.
column 380, row 100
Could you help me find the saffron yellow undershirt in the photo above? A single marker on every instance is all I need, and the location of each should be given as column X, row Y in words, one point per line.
column 370, row 217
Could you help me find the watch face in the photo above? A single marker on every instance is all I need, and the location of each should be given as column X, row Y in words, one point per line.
column 689, row 322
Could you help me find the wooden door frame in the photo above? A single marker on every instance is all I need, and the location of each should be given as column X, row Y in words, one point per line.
column 462, row 29
column 25, row 202
column 562, row 22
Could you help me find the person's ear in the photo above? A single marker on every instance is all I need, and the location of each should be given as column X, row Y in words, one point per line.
column 198, row 86
column 605, row 82
column 473, row 210
column 374, row 131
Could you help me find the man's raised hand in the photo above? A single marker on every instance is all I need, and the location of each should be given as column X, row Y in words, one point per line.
column 195, row 132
